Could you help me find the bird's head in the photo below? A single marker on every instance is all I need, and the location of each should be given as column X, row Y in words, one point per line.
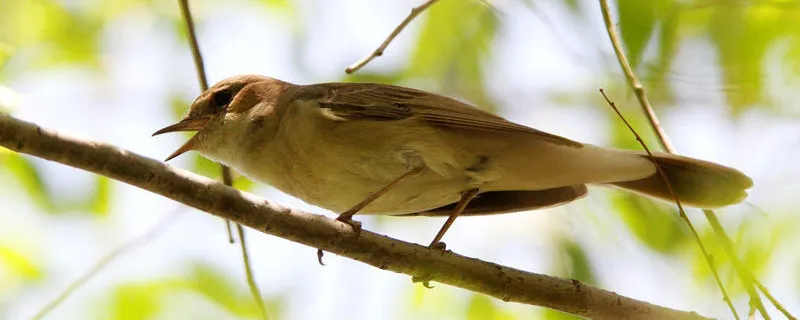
column 224, row 107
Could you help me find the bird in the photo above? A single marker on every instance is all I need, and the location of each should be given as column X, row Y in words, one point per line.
column 370, row 148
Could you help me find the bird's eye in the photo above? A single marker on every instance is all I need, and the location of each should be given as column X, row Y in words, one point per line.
column 221, row 98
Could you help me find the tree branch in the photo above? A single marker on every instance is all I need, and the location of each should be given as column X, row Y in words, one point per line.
column 227, row 176
column 379, row 52
column 317, row 231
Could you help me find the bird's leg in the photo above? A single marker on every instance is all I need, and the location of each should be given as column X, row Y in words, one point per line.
column 347, row 216
column 466, row 197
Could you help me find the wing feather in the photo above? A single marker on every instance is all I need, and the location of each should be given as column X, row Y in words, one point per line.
column 380, row 102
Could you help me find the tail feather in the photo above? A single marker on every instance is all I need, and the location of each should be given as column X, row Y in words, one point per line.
column 697, row 183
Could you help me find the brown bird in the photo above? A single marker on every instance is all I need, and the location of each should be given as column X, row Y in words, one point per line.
column 382, row 149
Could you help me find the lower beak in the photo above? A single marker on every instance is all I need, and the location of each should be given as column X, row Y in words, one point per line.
column 187, row 124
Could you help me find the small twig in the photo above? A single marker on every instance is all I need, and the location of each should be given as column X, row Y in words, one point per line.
column 744, row 274
column 155, row 231
column 774, row 301
column 227, row 177
column 638, row 89
column 683, row 215
column 378, row 52
column 250, row 278
column 198, row 58
column 230, row 232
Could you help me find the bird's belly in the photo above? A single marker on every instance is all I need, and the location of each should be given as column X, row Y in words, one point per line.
column 412, row 194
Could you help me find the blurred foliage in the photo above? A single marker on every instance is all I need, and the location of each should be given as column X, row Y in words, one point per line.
column 755, row 241
column 453, row 43
column 48, row 33
column 19, row 268
column 27, row 175
column 481, row 307
column 450, row 52
column 574, row 263
column 29, row 179
column 655, row 224
column 17, row 264
column 145, row 300
column 741, row 34
column 444, row 304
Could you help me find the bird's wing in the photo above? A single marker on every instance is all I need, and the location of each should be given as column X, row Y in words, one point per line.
column 380, row 102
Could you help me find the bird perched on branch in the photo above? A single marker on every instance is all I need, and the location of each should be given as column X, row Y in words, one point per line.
column 382, row 149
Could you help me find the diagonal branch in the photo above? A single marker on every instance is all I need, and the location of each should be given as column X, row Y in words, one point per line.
column 747, row 278
column 227, row 177
column 663, row 139
column 317, row 231
column 379, row 52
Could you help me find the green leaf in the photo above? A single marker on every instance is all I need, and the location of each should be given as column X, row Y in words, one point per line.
column 29, row 178
column 482, row 307
column 18, row 264
column 551, row 314
column 282, row 6
column 742, row 34
column 575, row 264
column 204, row 166
column 579, row 263
column 100, row 201
column 655, row 224
column 572, row 5
column 52, row 33
column 134, row 301
column 452, row 48
column 669, row 37
column 637, row 20
column 217, row 288
column 434, row 304
column 793, row 54
column 6, row 50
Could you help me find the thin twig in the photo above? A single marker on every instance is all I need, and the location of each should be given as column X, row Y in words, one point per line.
column 129, row 246
column 636, row 85
column 677, row 202
column 318, row 231
column 378, row 52
column 250, row 278
column 774, row 301
column 198, row 58
column 227, row 177
column 746, row 277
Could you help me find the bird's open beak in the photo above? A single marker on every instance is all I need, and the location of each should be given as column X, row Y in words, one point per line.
column 187, row 124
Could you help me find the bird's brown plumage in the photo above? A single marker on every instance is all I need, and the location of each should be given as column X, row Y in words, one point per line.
column 333, row 144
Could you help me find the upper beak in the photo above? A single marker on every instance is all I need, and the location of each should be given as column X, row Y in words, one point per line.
column 187, row 124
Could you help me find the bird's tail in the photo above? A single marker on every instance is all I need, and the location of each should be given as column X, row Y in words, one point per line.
column 695, row 182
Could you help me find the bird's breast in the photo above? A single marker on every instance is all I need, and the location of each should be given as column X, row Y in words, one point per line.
column 337, row 166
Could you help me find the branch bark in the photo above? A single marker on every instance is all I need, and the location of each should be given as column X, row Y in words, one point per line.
column 318, row 231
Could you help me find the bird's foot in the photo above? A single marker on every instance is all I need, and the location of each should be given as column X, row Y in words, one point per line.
column 438, row 245
column 348, row 219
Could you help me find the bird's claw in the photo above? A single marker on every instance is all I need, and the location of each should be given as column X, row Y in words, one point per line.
column 320, row 253
column 438, row 246
column 426, row 280
column 356, row 225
